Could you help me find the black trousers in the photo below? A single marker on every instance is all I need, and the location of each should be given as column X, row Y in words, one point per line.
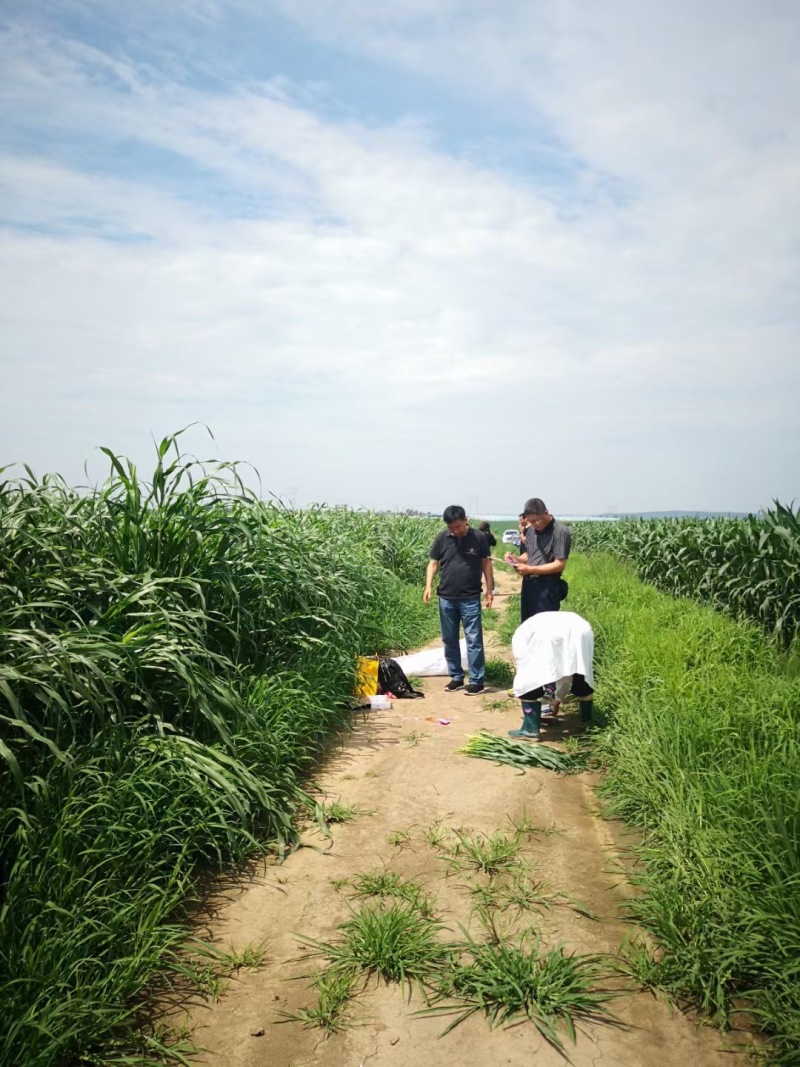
column 580, row 688
column 540, row 594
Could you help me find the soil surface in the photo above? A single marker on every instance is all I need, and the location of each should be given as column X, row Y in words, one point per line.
column 403, row 771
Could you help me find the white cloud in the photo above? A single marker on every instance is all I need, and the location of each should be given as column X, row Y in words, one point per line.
column 340, row 298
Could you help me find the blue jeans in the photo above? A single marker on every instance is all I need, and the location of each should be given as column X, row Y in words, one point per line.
column 468, row 613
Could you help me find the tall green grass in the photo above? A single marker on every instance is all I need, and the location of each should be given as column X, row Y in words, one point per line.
column 702, row 754
column 174, row 654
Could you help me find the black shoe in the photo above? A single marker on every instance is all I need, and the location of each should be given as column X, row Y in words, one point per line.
column 474, row 688
column 453, row 685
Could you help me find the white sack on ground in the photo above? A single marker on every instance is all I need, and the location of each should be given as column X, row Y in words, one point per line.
column 430, row 662
column 550, row 646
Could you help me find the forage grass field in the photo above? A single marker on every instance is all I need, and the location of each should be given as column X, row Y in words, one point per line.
column 174, row 655
column 749, row 567
column 702, row 754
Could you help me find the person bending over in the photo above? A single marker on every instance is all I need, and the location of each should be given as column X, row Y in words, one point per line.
column 552, row 649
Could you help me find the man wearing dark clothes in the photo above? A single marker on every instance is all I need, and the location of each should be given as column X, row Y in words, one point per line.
column 463, row 554
column 547, row 544
column 485, row 528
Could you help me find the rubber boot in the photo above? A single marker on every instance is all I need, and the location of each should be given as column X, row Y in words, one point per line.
column 586, row 710
column 531, row 722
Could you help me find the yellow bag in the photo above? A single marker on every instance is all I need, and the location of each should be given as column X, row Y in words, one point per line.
column 367, row 676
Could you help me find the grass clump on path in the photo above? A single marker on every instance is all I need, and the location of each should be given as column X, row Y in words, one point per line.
column 550, row 987
column 335, row 990
column 486, row 853
column 385, row 883
column 394, row 942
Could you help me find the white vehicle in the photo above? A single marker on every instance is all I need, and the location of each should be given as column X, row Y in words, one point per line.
column 511, row 537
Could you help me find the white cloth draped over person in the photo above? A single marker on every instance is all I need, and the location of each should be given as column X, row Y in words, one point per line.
column 550, row 648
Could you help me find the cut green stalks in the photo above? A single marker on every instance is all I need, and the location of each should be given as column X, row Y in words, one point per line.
column 522, row 754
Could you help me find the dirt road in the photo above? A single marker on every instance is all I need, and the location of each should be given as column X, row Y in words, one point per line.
column 403, row 767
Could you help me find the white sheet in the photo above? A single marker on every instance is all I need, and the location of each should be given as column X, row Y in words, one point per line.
column 550, row 646
column 430, row 662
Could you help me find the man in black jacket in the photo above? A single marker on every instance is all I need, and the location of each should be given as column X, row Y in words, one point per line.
column 463, row 554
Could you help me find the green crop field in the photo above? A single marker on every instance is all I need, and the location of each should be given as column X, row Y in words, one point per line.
column 701, row 752
column 749, row 568
column 173, row 657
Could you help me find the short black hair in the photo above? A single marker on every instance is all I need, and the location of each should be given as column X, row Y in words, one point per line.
column 484, row 525
column 535, row 506
column 453, row 514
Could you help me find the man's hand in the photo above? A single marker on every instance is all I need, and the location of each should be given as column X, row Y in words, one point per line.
column 526, row 569
column 511, row 559
column 426, row 596
column 489, row 599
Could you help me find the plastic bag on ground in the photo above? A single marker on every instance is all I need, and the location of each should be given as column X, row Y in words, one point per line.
column 430, row 662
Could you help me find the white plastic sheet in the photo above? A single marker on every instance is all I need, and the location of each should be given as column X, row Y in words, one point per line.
column 430, row 662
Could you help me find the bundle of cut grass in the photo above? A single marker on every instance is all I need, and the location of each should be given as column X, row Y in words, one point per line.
column 521, row 754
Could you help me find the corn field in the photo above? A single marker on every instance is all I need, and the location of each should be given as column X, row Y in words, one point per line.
column 173, row 656
column 749, row 567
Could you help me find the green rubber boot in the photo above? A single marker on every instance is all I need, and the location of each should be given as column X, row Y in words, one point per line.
column 531, row 722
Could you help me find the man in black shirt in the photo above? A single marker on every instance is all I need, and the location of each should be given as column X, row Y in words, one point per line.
column 547, row 545
column 463, row 554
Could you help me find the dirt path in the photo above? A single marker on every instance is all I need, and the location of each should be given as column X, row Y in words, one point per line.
column 403, row 766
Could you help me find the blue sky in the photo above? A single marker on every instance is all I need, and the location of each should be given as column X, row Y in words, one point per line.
column 367, row 243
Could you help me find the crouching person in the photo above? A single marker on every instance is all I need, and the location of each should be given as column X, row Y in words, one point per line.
column 553, row 652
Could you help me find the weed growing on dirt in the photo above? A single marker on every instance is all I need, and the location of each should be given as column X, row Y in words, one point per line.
column 524, row 826
column 386, row 883
column 524, row 892
column 500, row 704
column 413, row 738
column 399, row 838
column 250, row 957
column 393, row 942
column 550, row 987
column 488, row 854
column 336, row 812
column 335, row 989
column 436, row 835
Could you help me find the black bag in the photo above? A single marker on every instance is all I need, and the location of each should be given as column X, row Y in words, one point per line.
column 563, row 588
column 392, row 679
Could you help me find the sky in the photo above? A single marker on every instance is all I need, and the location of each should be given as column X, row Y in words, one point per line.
column 411, row 253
